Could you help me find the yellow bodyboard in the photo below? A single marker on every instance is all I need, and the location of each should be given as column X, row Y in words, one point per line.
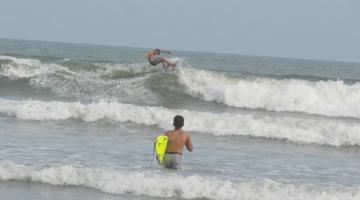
column 160, row 147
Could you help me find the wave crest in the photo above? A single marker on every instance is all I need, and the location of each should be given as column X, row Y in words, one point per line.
column 125, row 81
column 330, row 98
column 16, row 68
column 293, row 129
column 172, row 185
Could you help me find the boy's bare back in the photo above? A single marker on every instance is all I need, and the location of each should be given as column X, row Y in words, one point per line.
column 177, row 140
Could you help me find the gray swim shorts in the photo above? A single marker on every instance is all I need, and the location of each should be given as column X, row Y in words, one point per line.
column 156, row 60
column 172, row 161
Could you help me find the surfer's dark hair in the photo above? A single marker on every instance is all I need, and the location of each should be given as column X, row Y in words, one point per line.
column 178, row 121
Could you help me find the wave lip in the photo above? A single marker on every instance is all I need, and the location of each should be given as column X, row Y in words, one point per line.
column 164, row 184
column 293, row 129
column 125, row 81
column 14, row 67
column 25, row 68
column 329, row 98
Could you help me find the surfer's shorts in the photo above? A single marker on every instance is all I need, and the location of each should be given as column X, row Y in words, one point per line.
column 156, row 60
column 172, row 161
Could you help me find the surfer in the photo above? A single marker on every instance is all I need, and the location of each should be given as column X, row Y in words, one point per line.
column 155, row 58
column 177, row 140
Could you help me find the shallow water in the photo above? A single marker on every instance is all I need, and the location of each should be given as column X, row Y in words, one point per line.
column 80, row 121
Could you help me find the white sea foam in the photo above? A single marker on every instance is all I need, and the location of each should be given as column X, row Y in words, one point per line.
column 330, row 98
column 179, row 61
column 298, row 130
column 29, row 68
column 26, row 68
column 81, row 83
column 151, row 183
column 132, row 67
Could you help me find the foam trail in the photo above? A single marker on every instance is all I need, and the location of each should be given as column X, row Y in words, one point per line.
column 127, row 81
column 26, row 68
column 135, row 68
column 330, row 98
column 172, row 185
column 298, row 130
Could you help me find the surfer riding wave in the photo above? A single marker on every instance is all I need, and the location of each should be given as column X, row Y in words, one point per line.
column 154, row 58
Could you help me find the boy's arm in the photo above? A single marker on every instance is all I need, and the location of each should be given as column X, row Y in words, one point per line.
column 189, row 144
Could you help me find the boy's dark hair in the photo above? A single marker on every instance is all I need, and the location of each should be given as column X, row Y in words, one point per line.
column 178, row 121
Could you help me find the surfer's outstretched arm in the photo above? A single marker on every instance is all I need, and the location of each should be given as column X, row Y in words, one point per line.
column 165, row 51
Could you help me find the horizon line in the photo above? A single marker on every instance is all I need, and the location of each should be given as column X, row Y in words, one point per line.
column 181, row 50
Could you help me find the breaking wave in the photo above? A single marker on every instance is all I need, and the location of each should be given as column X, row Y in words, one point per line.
column 329, row 98
column 293, row 129
column 127, row 82
column 170, row 185
column 132, row 83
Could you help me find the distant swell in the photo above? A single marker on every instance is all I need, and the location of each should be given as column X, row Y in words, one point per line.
column 298, row 130
column 171, row 185
column 329, row 98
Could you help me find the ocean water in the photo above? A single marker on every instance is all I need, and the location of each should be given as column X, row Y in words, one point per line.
column 79, row 121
